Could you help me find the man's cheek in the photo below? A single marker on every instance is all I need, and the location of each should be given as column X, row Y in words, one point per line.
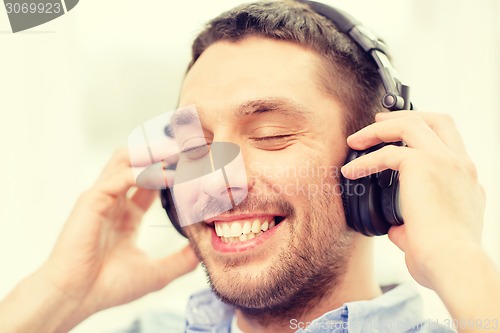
column 194, row 234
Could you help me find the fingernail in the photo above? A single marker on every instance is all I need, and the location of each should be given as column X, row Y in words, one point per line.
column 351, row 137
column 354, row 139
column 344, row 169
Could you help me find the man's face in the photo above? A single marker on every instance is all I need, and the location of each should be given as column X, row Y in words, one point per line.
column 265, row 96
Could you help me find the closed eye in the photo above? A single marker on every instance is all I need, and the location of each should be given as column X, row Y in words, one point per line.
column 196, row 152
column 274, row 137
column 274, row 142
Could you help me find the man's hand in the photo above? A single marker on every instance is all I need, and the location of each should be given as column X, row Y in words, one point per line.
column 95, row 263
column 441, row 200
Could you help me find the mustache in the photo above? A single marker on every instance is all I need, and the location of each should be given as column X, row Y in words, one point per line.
column 214, row 206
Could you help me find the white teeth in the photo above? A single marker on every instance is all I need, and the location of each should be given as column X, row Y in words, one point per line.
column 236, row 230
column 247, row 228
column 265, row 226
column 255, row 226
column 230, row 232
column 226, row 230
column 232, row 239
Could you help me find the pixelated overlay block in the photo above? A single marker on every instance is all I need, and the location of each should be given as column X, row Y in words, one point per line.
column 70, row 4
column 26, row 14
column 204, row 179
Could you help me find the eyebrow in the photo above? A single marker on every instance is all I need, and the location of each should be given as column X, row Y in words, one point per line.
column 284, row 106
column 183, row 118
column 178, row 119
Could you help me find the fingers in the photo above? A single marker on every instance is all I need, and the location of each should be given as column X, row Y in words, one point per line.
column 397, row 235
column 426, row 135
column 149, row 143
column 168, row 151
column 144, row 198
column 118, row 176
column 120, row 158
column 411, row 129
column 388, row 157
column 396, row 158
column 156, row 176
column 442, row 124
column 152, row 172
column 177, row 264
column 116, row 183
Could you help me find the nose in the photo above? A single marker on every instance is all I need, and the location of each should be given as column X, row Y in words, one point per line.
column 228, row 180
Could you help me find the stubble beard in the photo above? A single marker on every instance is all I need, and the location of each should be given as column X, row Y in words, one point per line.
column 306, row 270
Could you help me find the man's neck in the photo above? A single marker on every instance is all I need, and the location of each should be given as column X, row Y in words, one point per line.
column 357, row 284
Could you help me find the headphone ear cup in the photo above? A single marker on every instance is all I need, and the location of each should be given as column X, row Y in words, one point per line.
column 370, row 212
column 167, row 201
column 349, row 197
column 364, row 201
column 390, row 201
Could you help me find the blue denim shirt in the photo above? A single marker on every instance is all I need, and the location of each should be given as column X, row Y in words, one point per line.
column 398, row 310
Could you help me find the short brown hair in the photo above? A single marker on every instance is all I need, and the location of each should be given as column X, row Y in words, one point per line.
column 360, row 87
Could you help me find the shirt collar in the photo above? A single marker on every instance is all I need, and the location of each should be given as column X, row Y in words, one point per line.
column 206, row 313
column 399, row 309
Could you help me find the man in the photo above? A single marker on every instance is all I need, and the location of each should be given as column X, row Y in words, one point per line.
column 285, row 86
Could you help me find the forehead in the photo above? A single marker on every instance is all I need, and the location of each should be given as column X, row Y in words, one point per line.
column 230, row 74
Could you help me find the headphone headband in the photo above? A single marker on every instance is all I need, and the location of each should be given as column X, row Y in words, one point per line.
column 397, row 95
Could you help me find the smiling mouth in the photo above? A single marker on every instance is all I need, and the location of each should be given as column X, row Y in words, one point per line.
column 245, row 229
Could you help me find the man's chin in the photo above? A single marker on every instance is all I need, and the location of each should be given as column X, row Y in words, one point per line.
column 242, row 286
column 241, row 269
column 257, row 278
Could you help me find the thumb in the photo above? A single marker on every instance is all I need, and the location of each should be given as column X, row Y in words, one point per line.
column 397, row 235
column 177, row 264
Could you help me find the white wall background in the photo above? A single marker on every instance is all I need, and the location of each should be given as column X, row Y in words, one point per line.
column 71, row 91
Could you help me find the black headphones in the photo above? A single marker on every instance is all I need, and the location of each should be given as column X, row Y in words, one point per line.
column 371, row 203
